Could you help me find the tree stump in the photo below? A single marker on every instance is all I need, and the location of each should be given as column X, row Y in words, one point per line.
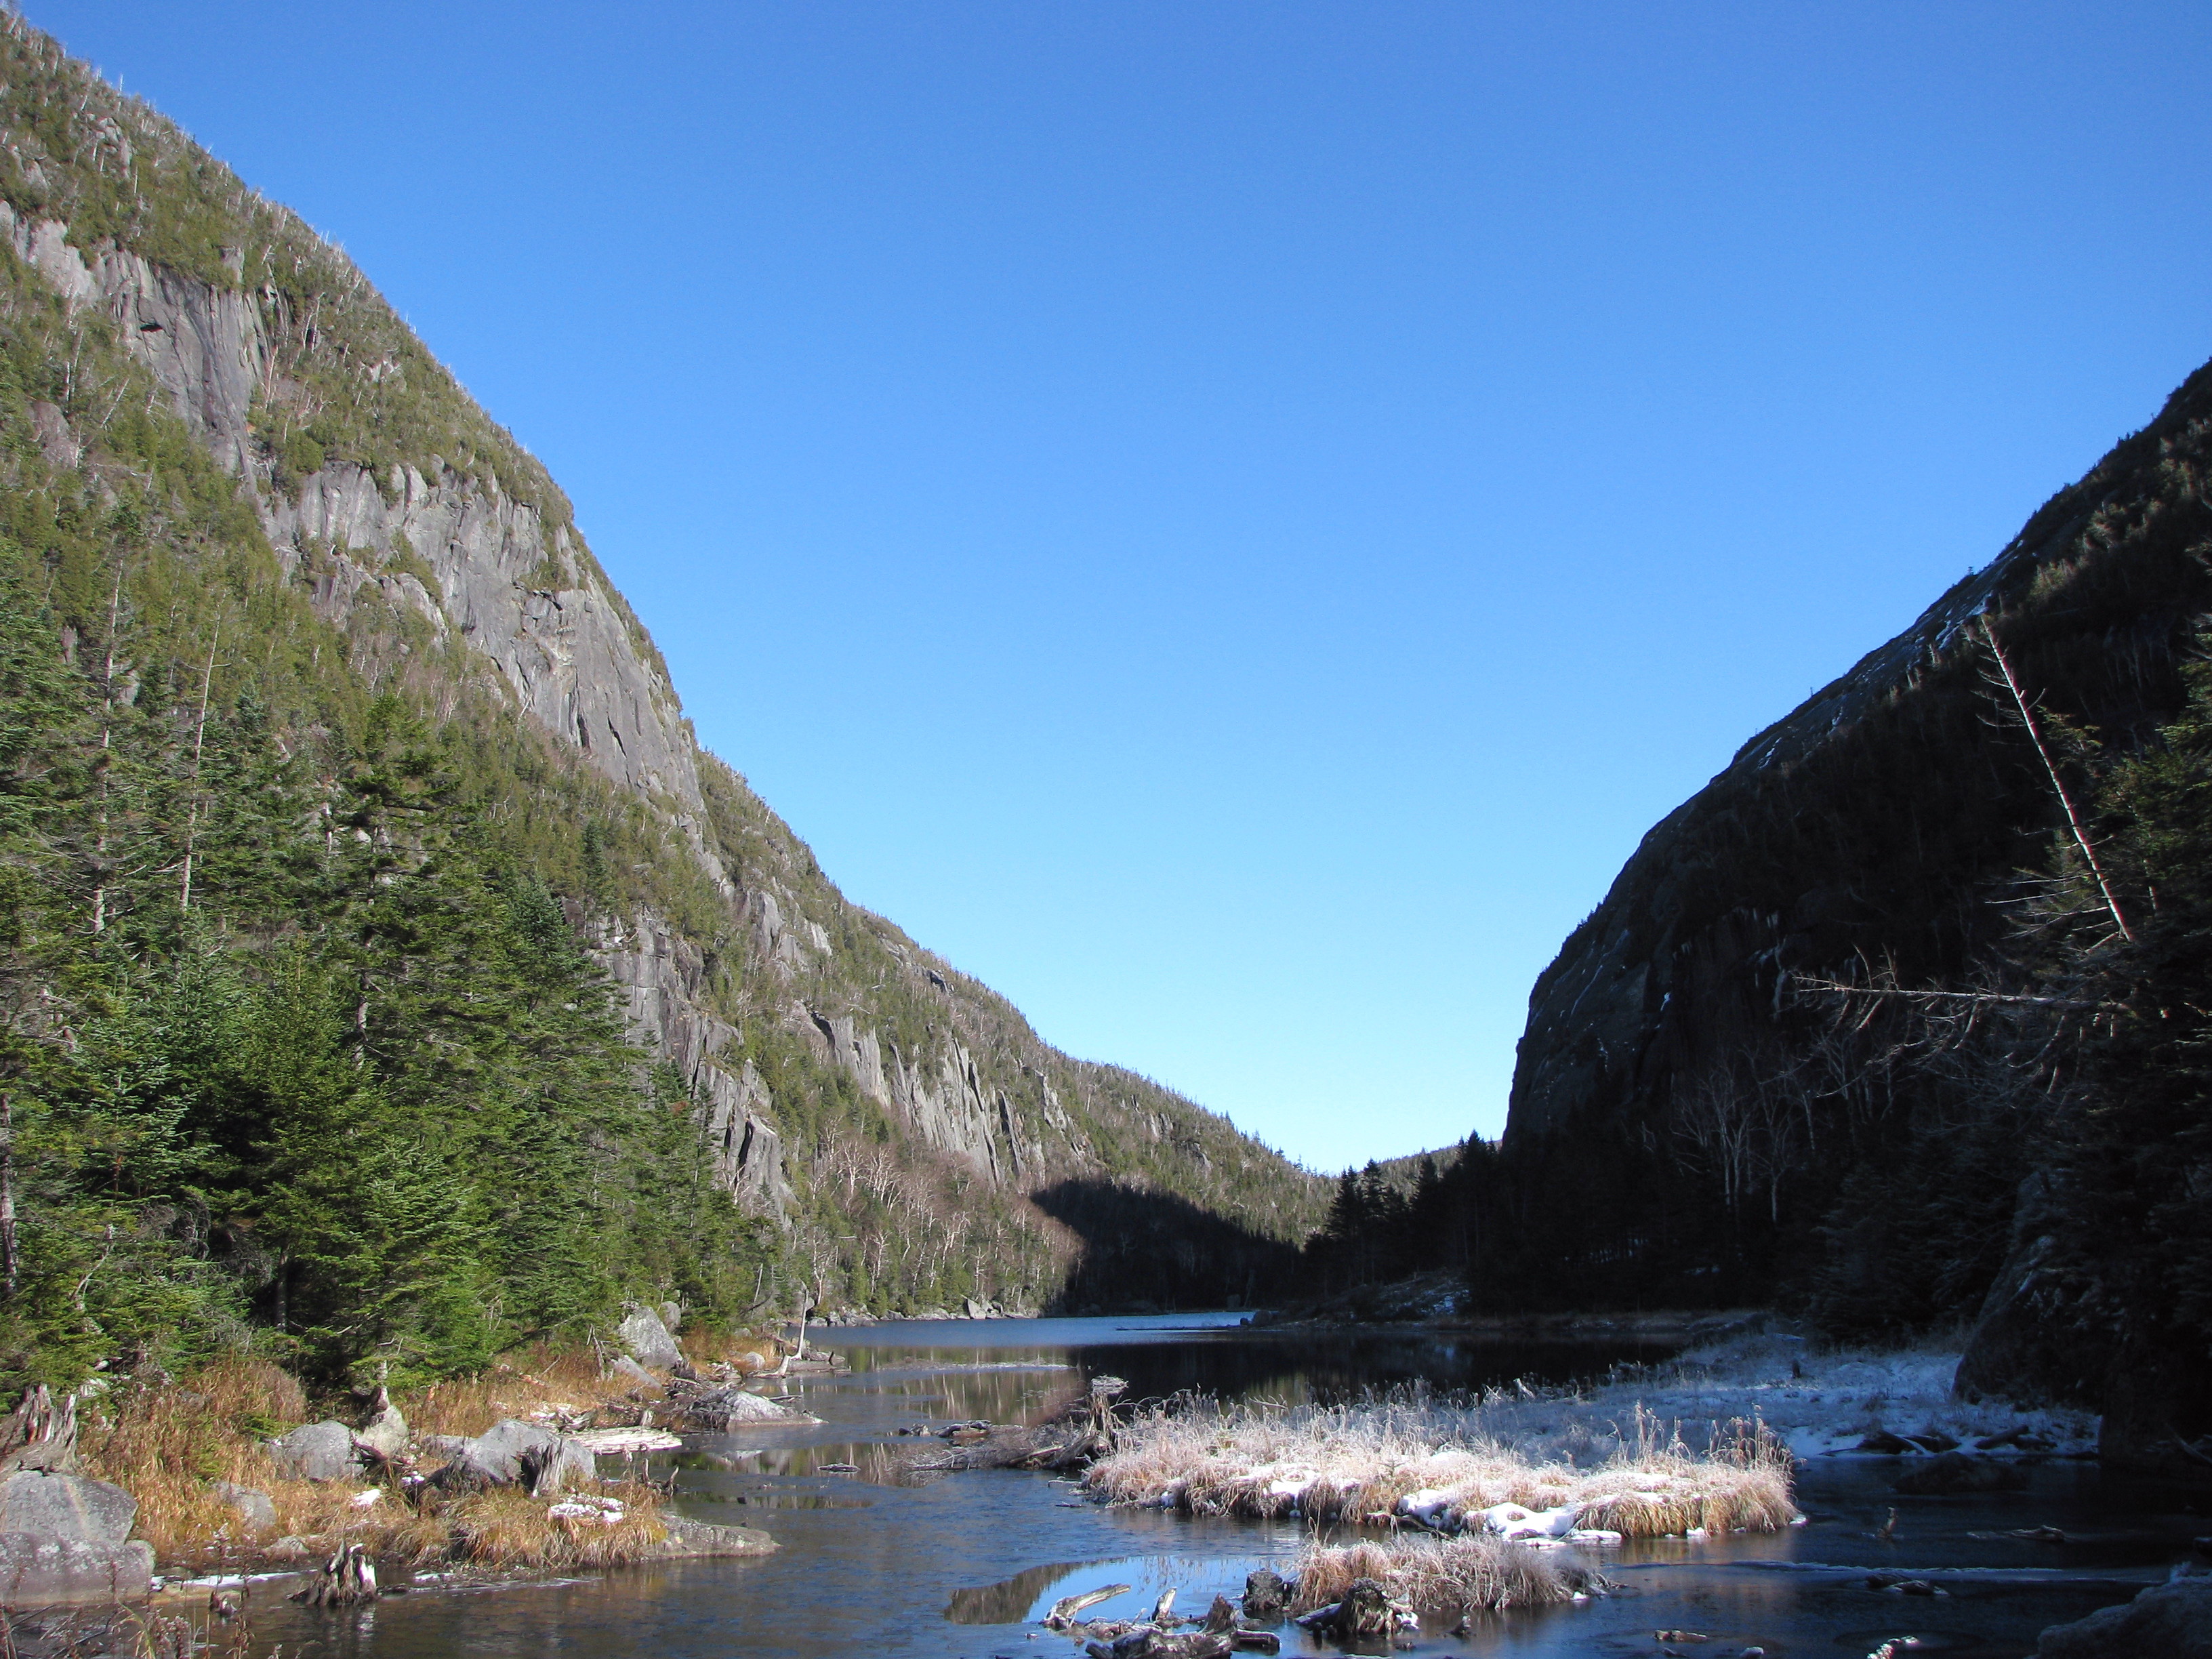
column 1266, row 1596
column 347, row 1579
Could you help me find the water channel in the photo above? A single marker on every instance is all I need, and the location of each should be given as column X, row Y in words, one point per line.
column 964, row 1566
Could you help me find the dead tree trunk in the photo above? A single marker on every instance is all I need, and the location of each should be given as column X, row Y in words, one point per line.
column 347, row 1579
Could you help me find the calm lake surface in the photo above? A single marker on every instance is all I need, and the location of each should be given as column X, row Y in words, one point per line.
column 964, row 1566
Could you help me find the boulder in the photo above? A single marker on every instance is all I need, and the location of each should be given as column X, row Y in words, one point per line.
column 386, row 1433
column 687, row 1537
column 512, row 1454
column 38, row 1572
column 254, row 1507
column 67, row 1507
column 646, row 1340
column 2173, row 1620
column 317, row 1451
column 624, row 1365
column 1956, row 1471
column 724, row 1408
column 671, row 1315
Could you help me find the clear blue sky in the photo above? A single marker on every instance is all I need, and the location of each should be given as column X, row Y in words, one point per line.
column 1230, row 521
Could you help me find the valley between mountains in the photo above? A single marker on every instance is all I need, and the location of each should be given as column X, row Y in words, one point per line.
column 403, row 1012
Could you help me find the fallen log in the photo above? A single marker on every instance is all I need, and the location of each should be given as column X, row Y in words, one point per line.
column 1064, row 1610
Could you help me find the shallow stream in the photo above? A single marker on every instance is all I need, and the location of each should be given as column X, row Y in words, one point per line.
column 964, row 1566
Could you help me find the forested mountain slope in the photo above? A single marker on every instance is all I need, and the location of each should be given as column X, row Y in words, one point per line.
column 1914, row 990
column 355, row 839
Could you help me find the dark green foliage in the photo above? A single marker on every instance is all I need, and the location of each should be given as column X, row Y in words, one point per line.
column 382, row 1105
column 302, row 1042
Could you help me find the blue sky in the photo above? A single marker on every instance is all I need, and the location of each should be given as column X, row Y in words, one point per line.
column 1231, row 520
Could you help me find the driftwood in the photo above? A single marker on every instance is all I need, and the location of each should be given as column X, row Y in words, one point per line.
column 346, row 1578
column 1156, row 1637
column 1267, row 1596
column 1366, row 1610
column 1064, row 1610
column 39, row 1435
column 1147, row 1642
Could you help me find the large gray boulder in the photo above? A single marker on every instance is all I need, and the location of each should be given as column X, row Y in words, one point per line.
column 726, row 1408
column 69, row 1508
column 63, row 1538
column 317, row 1451
column 2173, row 1620
column 510, row 1453
column 646, row 1340
column 44, row 1572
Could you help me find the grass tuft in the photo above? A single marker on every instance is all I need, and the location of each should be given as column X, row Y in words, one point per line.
column 1353, row 1464
column 1466, row 1574
column 505, row 1528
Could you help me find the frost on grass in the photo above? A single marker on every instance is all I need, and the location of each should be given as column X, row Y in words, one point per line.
column 1702, row 1442
column 1823, row 1401
column 1477, row 1572
column 1408, row 1460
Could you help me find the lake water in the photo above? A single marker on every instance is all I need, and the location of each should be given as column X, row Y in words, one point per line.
column 961, row 1567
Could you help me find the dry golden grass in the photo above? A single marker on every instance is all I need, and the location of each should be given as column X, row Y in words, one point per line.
column 1355, row 1463
column 505, row 1528
column 745, row 1351
column 1432, row 1573
column 527, row 1380
column 169, row 1445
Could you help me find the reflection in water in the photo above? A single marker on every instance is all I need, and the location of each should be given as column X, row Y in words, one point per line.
column 1009, row 1601
column 953, row 1569
column 1159, row 1359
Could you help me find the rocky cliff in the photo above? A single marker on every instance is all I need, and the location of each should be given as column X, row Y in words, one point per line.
column 1677, row 1103
column 898, row 1117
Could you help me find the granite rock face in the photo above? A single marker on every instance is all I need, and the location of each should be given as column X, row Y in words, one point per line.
column 646, row 1340
column 73, row 1508
column 447, row 571
column 660, row 976
column 42, row 1572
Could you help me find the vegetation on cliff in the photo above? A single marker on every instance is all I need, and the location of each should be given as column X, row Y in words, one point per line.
column 1899, row 1021
column 305, row 1041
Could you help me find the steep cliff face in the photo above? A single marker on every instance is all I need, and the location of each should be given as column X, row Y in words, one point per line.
column 1881, row 826
column 815, row 1041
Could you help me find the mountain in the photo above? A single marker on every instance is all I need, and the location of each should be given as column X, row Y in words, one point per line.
column 1858, row 1025
column 330, row 744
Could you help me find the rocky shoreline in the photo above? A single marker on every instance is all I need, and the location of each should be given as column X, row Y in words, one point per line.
column 164, row 1484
